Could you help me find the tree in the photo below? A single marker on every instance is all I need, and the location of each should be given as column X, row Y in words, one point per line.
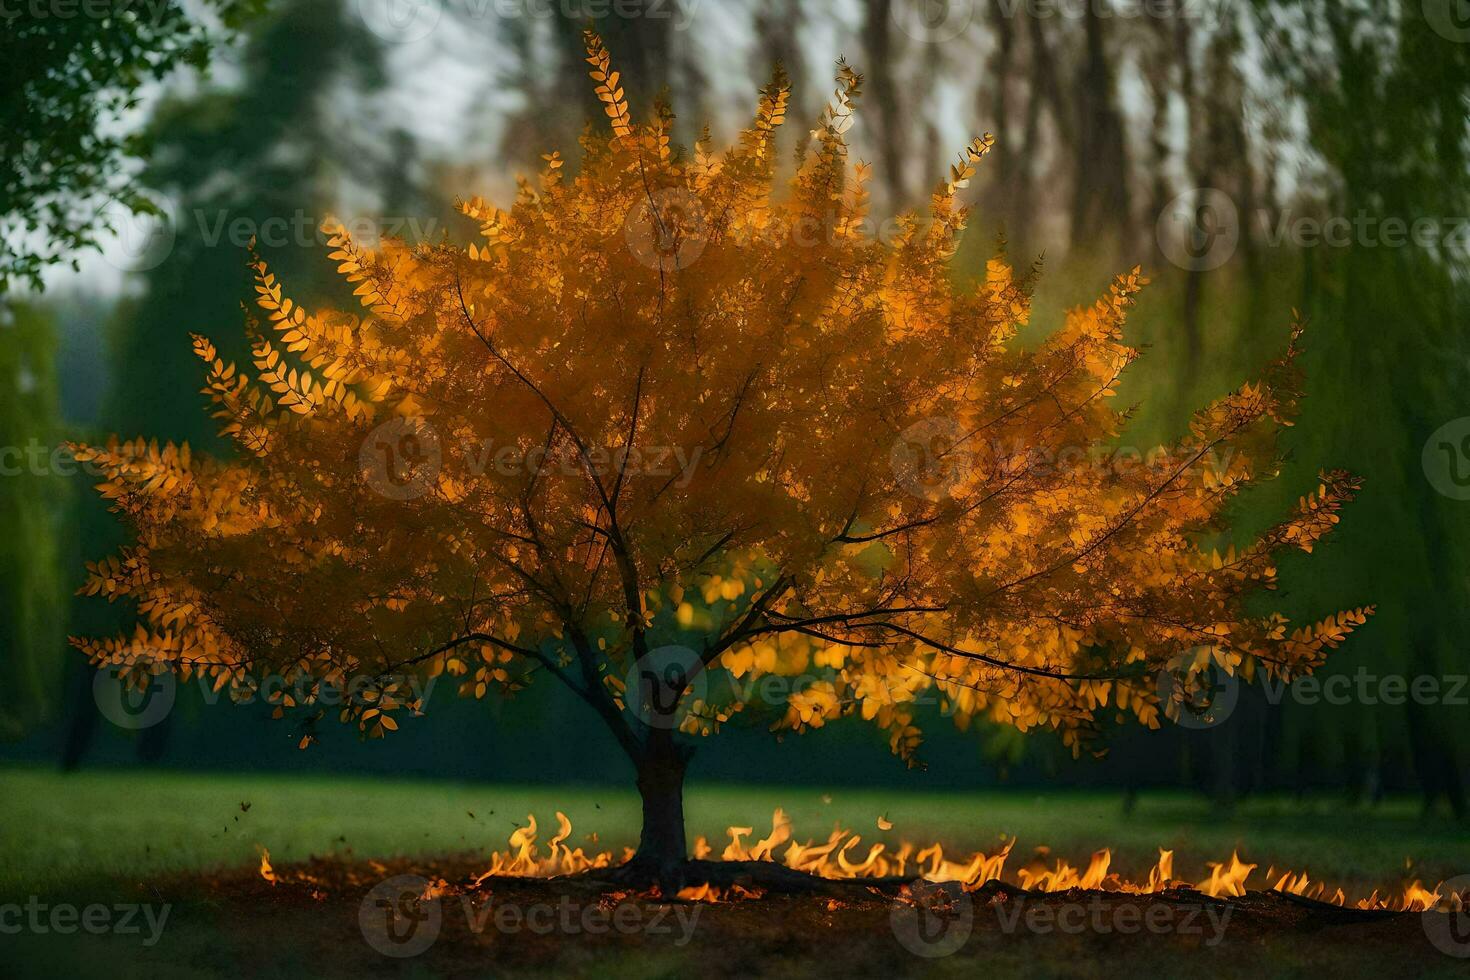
column 259, row 152
column 32, row 583
column 66, row 78
column 882, row 493
column 1404, row 154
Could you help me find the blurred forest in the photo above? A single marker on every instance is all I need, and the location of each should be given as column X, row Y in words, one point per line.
column 1108, row 128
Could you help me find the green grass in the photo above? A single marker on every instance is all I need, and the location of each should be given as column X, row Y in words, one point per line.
column 60, row 833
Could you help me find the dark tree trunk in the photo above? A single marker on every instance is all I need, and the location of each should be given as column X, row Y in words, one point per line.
column 892, row 131
column 662, row 846
column 1100, row 204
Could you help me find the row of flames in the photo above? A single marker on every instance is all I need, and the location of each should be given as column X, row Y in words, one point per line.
column 842, row 856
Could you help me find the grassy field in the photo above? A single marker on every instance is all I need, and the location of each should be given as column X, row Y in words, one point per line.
column 63, row 833
column 186, row 843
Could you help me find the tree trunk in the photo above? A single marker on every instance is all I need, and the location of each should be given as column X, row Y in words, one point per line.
column 662, row 847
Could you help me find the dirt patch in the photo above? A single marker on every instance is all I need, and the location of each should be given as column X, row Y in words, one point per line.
column 350, row 918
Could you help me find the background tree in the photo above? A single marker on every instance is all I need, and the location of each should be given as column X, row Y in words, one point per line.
column 32, row 589
column 267, row 154
column 1388, row 114
column 882, row 481
column 66, row 81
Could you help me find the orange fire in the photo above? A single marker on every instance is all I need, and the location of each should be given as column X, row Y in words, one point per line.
column 842, row 855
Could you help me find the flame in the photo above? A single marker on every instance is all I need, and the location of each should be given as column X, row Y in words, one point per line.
column 843, row 855
column 714, row 894
column 1227, row 880
column 524, row 860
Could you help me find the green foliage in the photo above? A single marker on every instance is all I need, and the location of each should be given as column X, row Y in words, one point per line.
column 66, row 79
column 131, row 825
column 32, row 590
column 237, row 157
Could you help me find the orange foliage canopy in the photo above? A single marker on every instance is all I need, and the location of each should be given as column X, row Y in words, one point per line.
column 662, row 405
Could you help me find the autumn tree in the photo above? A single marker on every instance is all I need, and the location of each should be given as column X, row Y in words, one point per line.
column 666, row 433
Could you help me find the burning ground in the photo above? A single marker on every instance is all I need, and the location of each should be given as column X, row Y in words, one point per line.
column 1005, row 907
column 411, row 918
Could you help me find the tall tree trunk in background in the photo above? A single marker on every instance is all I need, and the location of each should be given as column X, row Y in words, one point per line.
column 1230, row 109
column 1433, row 739
column 1220, row 162
column 640, row 36
column 1202, row 178
column 1101, row 215
column 934, row 164
column 1044, row 90
column 1007, row 159
column 641, row 40
column 880, row 64
column 35, row 586
column 1229, row 154
column 1158, row 69
column 778, row 26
